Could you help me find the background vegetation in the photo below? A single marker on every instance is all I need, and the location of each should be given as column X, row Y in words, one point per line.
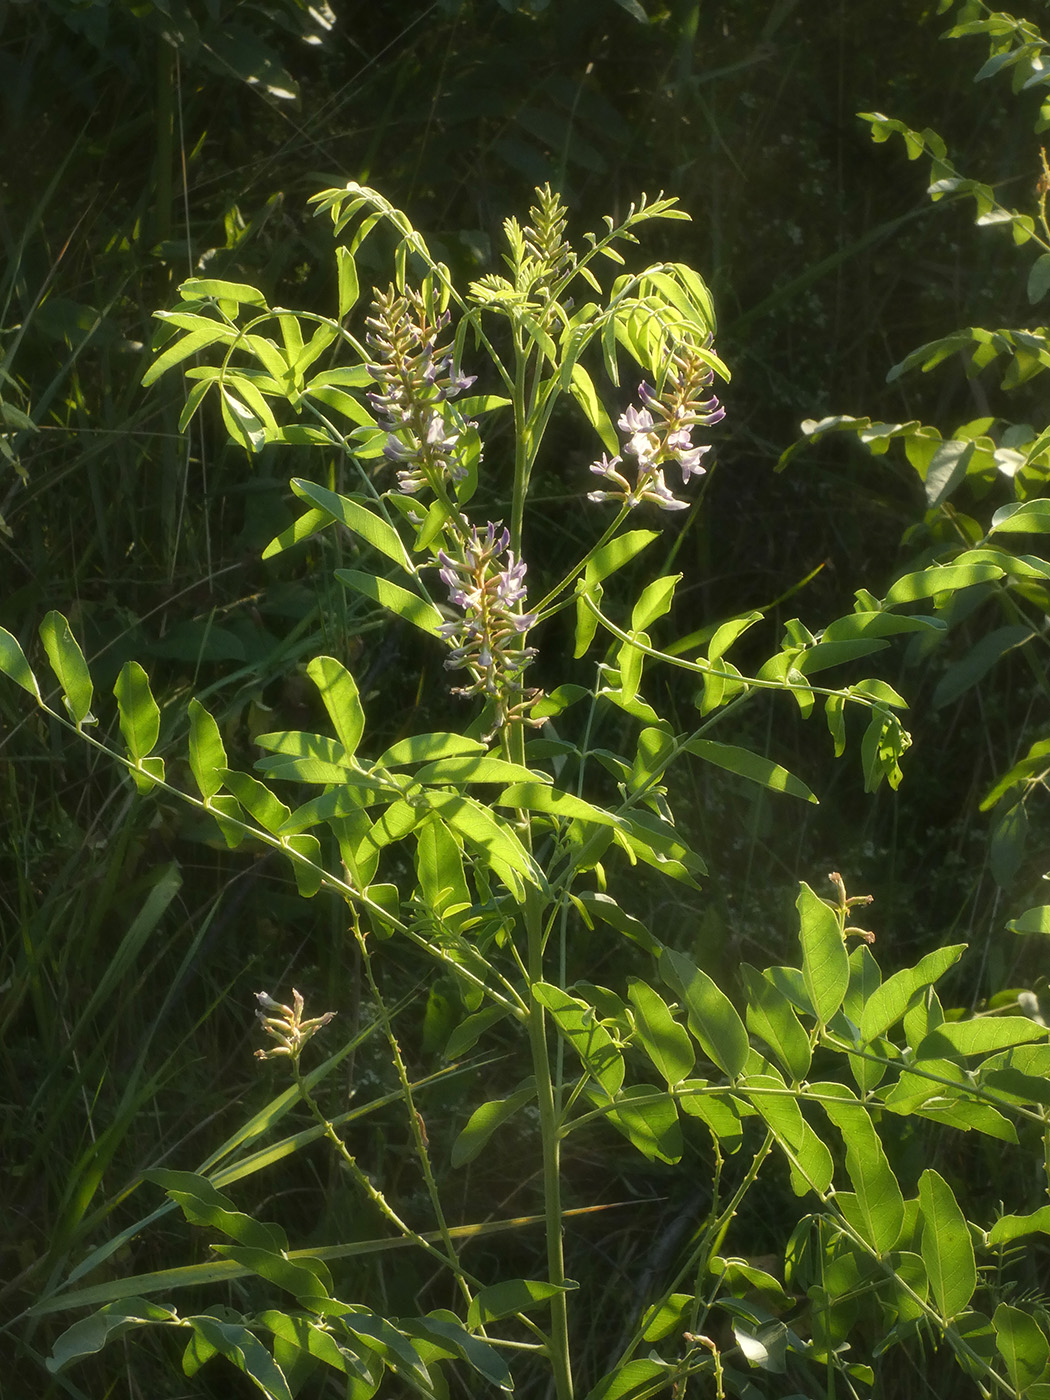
column 155, row 141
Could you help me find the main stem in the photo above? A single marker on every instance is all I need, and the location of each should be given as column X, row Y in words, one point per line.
column 547, row 1097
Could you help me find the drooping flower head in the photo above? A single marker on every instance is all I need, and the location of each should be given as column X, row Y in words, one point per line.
column 661, row 432
column 417, row 377
column 486, row 583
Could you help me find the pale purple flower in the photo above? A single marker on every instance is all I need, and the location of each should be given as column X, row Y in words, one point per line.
column 487, row 585
column 661, row 432
column 416, row 380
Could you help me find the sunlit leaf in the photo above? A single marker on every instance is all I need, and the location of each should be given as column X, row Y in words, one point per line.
column 68, row 664
column 825, row 962
column 665, row 1042
column 713, row 1018
column 13, row 663
column 947, row 1250
column 484, row 1121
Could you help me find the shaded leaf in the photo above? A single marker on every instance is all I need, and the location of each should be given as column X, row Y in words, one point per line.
column 511, row 1297
column 484, row 1121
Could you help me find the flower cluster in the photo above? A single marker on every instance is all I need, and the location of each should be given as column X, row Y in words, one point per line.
column 416, row 378
column 661, row 431
column 286, row 1026
column 486, row 583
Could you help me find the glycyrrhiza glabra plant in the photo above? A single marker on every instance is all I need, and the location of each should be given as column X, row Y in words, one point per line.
column 492, row 846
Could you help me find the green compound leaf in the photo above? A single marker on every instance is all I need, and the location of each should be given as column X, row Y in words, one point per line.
column 665, row 1042
column 947, row 1250
column 487, row 833
column 581, row 386
column 484, row 1121
column 185, row 346
column 1015, row 1227
column 347, row 279
column 439, row 869
column 593, row 904
column 617, row 553
column 1022, row 1344
column 313, row 758
column 484, row 768
column 392, row 1346
column 214, row 288
column 139, row 712
column 654, row 601
column 721, row 1113
column 425, row 748
column 579, row 1024
column 307, row 524
column 13, row 663
column 751, row 766
column 68, row 664
column 713, row 1018
column 338, row 690
column 242, row 424
column 1032, row 920
column 309, row 877
column 539, row 797
column 825, row 962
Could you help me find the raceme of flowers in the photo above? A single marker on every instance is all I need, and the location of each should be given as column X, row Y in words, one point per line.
column 416, row 379
column 661, row 432
column 487, row 584
column 286, row 1025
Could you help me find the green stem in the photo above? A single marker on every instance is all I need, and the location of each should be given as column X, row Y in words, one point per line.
column 415, row 1119
column 521, row 455
column 513, row 741
column 450, row 1261
column 551, row 1149
column 579, row 567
